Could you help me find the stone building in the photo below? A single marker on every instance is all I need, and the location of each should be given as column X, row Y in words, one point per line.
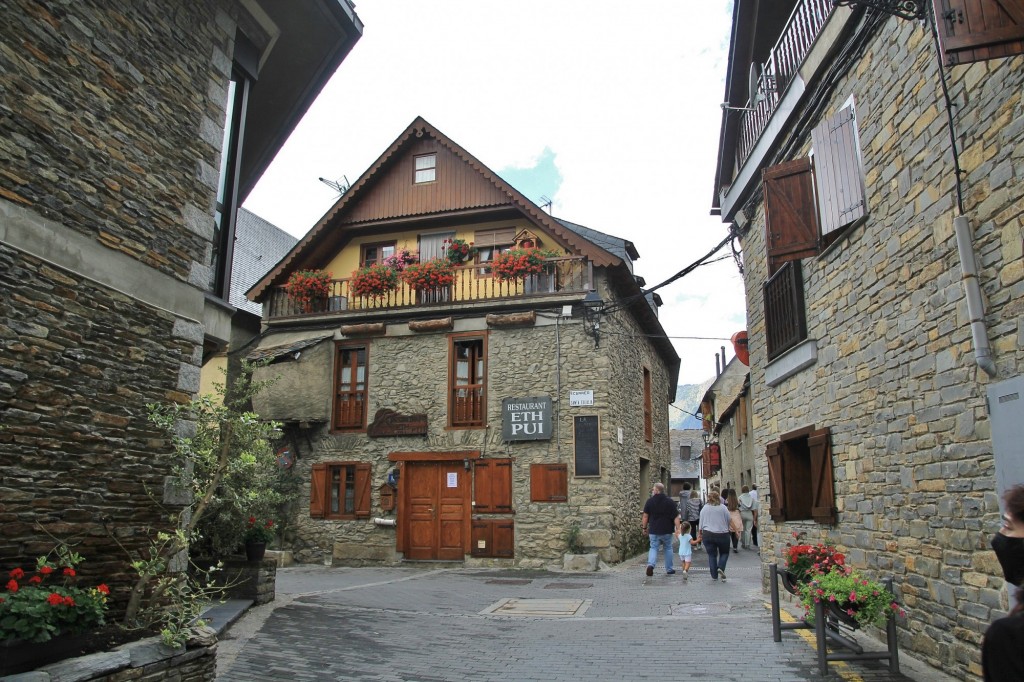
column 726, row 411
column 130, row 133
column 460, row 407
column 880, row 223
column 687, row 445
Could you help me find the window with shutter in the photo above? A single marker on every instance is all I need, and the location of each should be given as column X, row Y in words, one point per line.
column 467, row 381
column 791, row 218
column 493, row 485
column 549, row 482
column 838, row 173
column 340, row 490
column 975, row 30
column 800, row 477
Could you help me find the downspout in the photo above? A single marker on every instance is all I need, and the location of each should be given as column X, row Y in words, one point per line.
column 558, row 391
column 975, row 307
column 962, row 230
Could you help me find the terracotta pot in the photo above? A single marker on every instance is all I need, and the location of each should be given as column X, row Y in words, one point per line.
column 254, row 551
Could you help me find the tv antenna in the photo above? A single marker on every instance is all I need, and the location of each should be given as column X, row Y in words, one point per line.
column 545, row 202
column 337, row 185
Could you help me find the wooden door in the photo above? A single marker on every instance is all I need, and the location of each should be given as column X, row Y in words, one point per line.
column 436, row 505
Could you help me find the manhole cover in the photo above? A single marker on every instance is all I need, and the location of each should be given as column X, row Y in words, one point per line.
column 508, row 582
column 547, row 608
column 567, row 586
column 700, row 609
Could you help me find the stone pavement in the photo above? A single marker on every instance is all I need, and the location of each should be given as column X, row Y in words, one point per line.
column 431, row 624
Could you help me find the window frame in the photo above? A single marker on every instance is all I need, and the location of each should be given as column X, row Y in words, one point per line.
column 363, row 263
column 339, row 348
column 416, row 170
column 320, row 490
column 801, row 477
column 454, row 340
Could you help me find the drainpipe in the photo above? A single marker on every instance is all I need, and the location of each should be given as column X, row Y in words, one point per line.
column 975, row 308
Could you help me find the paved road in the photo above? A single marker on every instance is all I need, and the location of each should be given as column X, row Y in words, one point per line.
column 429, row 624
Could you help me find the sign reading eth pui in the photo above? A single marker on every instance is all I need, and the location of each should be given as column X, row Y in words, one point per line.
column 526, row 418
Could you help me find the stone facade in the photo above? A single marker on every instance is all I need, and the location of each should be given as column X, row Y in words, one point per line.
column 408, row 373
column 110, row 147
column 895, row 377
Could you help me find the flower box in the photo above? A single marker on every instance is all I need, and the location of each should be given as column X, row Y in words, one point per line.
column 374, row 281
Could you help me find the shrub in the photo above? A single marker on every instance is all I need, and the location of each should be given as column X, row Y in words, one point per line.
column 866, row 601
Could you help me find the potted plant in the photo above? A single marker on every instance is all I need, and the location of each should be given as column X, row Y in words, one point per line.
column 851, row 598
column 519, row 263
column 309, row 288
column 458, row 251
column 374, row 281
column 401, row 260
column 257, row 535
column 803, row 561
column 430, row 275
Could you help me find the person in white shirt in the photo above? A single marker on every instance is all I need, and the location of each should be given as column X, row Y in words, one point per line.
column 714, row 533
column 753, row 529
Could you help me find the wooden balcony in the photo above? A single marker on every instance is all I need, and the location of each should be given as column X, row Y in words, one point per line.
column 793, row 46
column 472, row 284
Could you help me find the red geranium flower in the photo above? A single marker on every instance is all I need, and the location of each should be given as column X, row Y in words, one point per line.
column 17, row 574
column 12, row 586
column 55, row 599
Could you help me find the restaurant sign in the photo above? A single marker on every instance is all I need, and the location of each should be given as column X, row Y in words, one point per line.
column 526, row 418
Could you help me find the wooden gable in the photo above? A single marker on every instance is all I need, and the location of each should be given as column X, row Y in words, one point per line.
column 394, row 194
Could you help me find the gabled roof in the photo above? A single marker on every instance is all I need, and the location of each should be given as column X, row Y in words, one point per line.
column 332, row 229
column 623, row 248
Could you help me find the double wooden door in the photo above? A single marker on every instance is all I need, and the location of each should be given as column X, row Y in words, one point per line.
column 436, row 505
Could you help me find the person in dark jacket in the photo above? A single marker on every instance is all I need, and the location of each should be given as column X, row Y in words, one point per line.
column 660, row 521
column 1002, row 650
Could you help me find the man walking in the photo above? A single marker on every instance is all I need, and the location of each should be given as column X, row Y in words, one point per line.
column 660, row 521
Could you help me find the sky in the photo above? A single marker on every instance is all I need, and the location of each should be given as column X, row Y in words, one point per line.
column 611, row 110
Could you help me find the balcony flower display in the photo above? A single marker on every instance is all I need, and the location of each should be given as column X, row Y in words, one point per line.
column 520, row 263
column 401, row 260
column 853, row 599
column 429, row 275
column 374, row 281
column 38, row 606
column 309, row 288
column 804, row 561
column 458, row 251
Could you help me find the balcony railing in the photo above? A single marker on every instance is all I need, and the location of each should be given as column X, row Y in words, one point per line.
column 803, row 27
column 472, row 284
column 785, row 322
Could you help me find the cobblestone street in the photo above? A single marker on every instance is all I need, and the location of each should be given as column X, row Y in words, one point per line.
column 434, row 624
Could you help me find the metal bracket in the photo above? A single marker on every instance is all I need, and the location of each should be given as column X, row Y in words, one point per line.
column 904, row 9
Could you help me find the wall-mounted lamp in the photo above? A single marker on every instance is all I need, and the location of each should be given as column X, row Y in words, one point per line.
column 465, row 463
column 706, row 435
column 593, row 305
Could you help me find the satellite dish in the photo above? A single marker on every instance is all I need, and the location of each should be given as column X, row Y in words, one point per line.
column 754, row 93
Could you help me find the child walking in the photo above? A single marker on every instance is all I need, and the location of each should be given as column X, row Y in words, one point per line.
column 686, row 543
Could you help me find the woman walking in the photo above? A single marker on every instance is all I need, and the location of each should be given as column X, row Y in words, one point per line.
column 735, row 519
column 714, row 534
column 691, row 514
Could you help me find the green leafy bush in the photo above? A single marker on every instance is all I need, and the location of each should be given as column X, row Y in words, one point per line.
column 866, row 601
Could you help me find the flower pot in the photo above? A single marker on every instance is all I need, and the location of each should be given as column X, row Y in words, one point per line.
column 838, row 612
column 791, row 584
column 254, row 551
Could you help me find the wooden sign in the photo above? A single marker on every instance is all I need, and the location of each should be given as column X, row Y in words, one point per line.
column 389, row 423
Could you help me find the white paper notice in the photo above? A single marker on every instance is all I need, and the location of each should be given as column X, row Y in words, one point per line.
column 453, row 479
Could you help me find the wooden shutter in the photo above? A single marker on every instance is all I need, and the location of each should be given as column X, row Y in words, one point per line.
column 318, row 491
column 549, row 482
column 974, row 30
column 791, row 217
column 822, row 488
column 362, row 490
column 503, row 538
column 838, row 173
column 776, row 483
column 481, row 537
column 493, row 484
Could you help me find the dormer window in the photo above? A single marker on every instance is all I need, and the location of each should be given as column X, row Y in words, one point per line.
column 426, row 168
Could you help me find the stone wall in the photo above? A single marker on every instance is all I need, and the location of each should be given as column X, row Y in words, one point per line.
column 408, row 372
column 109, row 149
column 895, row 378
